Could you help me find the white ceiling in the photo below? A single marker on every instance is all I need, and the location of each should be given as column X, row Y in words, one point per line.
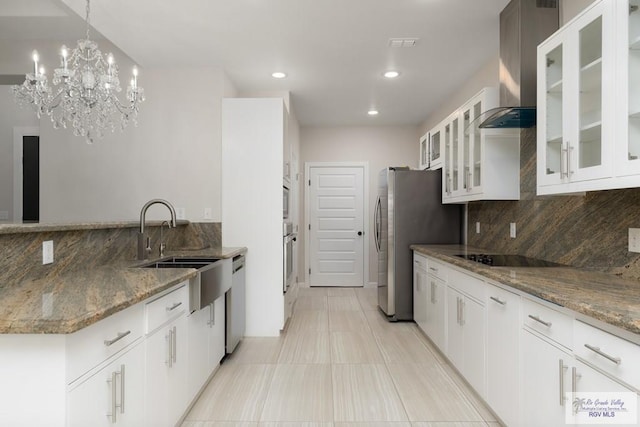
column 334, row 51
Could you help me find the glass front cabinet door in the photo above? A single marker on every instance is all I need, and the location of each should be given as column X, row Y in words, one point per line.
column 423, row 163
column 435, row 156
column 576, row 95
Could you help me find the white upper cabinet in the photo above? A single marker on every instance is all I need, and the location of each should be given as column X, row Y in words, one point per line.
column 589, row 101
column 423, row 163
column 479, row 164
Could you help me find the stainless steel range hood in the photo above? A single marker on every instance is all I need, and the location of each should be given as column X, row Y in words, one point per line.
column 523, row 25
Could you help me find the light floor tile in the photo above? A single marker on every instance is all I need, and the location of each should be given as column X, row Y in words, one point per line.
column 312, row 291
column 306, row 347
column 236, row 393
column 380, row 324
column 256, row 350
column 348, row 321
column 428, row 394
column 294, row 424
column 218, row 424
column 365, row 393
column 341, row 292
column 469, row 393
column 368, row 298
column 354, row 347
column 374, row 424
column 309, row 320
column 431, row 346
column 311, row 302
column 300, row 393
column 343, row 303
column 403, row 346
column 450, row 424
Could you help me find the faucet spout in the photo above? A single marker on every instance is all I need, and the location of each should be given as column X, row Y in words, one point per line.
column 144, row 243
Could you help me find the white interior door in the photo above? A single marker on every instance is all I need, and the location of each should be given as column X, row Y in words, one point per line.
column 336, row 226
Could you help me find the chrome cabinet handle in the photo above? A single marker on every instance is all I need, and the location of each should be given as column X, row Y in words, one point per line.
column 212, row 316
column 169, row 339
column 174, row 306
column 498, row 300
column 562, row 368
column 569, row 150
column 563, row 161
column 435, row 270
column 122, row 389
column 538, row 319
column 433, row 292
column 597, row 350
column 574, row 379
column 117, row 338
column 462, row 305
column 114, row 397
column 175, row 338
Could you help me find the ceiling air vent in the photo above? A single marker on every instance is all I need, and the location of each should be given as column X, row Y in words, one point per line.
column 403, row 42
column 551, row 4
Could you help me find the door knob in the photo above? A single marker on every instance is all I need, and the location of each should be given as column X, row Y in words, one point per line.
column 359, row 233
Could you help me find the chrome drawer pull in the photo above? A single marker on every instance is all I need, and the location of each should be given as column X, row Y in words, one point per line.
column 537, row 319
column 116, row 339
column 597, row 350
column 498, row 300
column 435, row 270
column 174, row 306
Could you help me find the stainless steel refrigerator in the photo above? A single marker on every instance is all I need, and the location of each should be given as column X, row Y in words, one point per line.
column 408, row 211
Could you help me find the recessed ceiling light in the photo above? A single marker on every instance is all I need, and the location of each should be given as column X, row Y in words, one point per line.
column 391, row 74
column 278, row 75
column 372, row 112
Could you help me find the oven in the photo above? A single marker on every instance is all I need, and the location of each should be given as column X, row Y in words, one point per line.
column 289, row 237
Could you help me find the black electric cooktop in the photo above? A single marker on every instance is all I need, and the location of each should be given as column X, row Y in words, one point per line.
column 499, row 260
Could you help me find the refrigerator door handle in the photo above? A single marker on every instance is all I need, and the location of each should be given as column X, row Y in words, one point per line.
column 376, row 221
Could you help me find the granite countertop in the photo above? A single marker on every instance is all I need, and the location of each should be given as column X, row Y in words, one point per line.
column 74, row 300
column 602, row 296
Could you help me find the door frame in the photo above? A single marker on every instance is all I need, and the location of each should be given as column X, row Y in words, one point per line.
column 19, row 132
column 365, row 214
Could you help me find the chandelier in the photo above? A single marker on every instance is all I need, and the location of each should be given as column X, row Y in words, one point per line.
column 84, row 91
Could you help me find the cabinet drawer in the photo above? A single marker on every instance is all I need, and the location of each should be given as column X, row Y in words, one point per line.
column 547, row 321
column 437, row 269
column 614, row 355
column 419, row 261
column 467, row 284
column 166, row 307
column 94, row 344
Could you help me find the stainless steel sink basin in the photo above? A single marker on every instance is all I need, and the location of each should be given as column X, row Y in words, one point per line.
column 211, row 282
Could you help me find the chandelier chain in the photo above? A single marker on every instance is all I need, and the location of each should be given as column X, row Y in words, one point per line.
column 88, row 8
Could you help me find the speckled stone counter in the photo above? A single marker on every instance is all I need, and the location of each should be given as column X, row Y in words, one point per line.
column 70, row 301
column 601, row 296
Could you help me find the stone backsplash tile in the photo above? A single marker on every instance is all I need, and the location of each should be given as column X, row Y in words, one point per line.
column 588, row 231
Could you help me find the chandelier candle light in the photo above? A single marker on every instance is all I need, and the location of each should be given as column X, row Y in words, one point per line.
column 84, row 92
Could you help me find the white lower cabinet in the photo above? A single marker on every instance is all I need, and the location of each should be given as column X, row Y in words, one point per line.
column 466, row 337
column 112, row 396
column 545, row 379
column 166, row 379
column 435, row 326
column 503, row 367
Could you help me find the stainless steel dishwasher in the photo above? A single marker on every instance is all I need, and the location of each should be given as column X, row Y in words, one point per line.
column 236, row 305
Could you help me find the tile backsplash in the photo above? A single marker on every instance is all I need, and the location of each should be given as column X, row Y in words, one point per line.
column 588, row 231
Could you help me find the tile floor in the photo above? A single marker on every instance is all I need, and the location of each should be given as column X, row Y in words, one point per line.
column 338, row 364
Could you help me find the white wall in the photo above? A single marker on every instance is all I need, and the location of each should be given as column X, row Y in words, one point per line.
column 174, row 153
column 570, row 8
column 380, row 146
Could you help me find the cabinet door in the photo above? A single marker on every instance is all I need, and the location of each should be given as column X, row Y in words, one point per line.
column 503, row 332
column 198, row 341
column 118, row 386
column 455, row 340
column 420, row 296
column 166, row 373
column 588, row 379
column 423, row 162
column 447, row 179
column 545, row 379
column 473, row 321
column 628, row 51
column 552, row 123
column 436, row 311
column 456, row 150
column 217, row 333
column 591, row 147
column 435, row 149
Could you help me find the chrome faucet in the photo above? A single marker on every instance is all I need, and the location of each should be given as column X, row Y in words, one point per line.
column 144, row 241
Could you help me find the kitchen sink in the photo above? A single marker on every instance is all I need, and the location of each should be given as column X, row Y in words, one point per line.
column 212, row 281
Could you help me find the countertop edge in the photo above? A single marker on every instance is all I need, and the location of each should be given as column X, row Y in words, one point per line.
column 585, row 312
